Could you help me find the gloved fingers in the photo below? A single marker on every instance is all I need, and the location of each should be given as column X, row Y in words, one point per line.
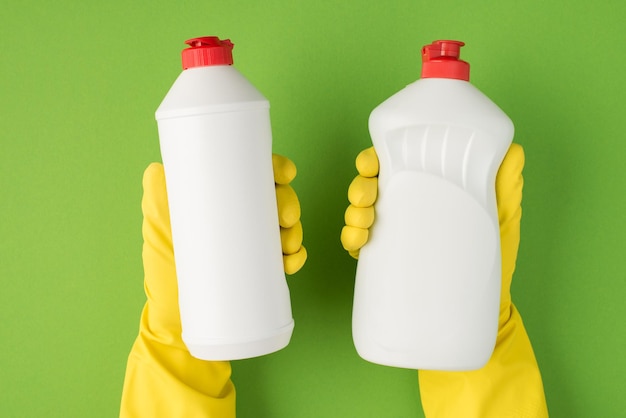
column 288, row 205
column 284, row 169
column 367, row 163
column 291, row 238
column 294, row 254
column 362, row 194
column 363, row 191
column 359, row 217
column 294, row 262
column 353, row 238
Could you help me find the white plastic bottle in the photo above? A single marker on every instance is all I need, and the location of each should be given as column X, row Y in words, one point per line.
column 427, row 288
column 216, row 145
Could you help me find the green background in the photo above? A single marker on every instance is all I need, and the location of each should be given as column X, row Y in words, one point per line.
column 79, row 84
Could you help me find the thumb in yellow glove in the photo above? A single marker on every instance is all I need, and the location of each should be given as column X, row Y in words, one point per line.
column 510, row 384
column 162, row 378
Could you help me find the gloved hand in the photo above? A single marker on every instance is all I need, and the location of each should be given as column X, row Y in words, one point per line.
column 510, row 384
column 162, row 378
column 362, row 195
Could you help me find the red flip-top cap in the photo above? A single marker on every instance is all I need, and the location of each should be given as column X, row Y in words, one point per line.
column 441, row 60
column 207, row 50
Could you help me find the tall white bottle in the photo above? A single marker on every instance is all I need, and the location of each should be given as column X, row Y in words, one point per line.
column 427, row 288
column 216, row 145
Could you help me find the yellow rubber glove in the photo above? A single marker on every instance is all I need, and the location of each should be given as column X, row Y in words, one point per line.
column 162, row 378
column 362, row 194
column 510, row 384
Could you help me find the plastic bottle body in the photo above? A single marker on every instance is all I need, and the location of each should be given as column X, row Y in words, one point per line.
column 428, row 281
column 216, row 145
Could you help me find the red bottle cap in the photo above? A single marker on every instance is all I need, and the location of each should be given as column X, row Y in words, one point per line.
column 441, row 60
column 207, row 50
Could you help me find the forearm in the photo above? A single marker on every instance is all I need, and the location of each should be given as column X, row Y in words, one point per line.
column 164, row 380
column 508, row 386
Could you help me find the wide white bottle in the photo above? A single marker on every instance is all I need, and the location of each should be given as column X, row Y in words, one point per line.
column 427, row 288
column 216, row 145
